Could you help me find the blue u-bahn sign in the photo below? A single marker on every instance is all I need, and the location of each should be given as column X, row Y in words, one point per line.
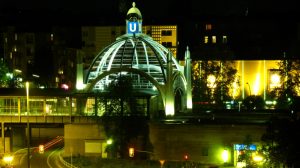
column 133, row 27
column 251, row 147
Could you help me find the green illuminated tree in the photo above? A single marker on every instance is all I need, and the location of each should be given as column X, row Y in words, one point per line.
column 124, row 123
column 4, row 78
column 121, row 92
column 246, row 154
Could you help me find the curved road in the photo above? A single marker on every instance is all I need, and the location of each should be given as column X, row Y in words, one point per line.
column 49, row 159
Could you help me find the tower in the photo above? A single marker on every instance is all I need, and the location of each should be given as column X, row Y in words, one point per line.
column 134, row 21
column 188, row 74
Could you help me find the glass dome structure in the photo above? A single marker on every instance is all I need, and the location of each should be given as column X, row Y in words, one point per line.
column 131, row 51
column 151, row 67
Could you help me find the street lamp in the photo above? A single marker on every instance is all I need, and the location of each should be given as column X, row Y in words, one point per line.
column 28, row 132
column 8, row 159
column 225, row 155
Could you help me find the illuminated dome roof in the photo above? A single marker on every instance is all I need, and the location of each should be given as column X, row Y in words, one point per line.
column 139, row 52
column 134, row 12
column 133, row 54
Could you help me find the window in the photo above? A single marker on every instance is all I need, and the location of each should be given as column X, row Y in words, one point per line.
column 224, row 39
column 166, row 33
column 28, row 51
column 214, row 39
column 208, row 27
column 167, row 44
column 84, row 33
column 148, row 32
column 51, row 36
column 60, row 71
column 16, row 36
column 204, row 151
column 206, row 39
column 29, row 39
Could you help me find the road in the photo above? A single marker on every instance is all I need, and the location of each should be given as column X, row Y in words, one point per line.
column 49, row 159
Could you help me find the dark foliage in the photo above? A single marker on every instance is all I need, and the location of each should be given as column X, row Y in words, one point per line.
column 123, row 124
column 253, row 102
column 281, row 142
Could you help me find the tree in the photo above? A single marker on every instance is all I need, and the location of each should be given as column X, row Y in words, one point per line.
column 214, row 81
column 123, row 122
column 253, row 102
column 246, row 153
column 281, row 142
column 4, row 77
column 289, row 70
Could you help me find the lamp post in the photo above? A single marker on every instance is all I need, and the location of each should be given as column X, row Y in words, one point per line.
column 28, row 132
column 249, row 88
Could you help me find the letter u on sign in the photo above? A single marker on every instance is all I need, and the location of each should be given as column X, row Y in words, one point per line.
column 133, row 27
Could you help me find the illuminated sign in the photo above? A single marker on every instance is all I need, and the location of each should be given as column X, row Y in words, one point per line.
column 133, row 27
column 251, row 147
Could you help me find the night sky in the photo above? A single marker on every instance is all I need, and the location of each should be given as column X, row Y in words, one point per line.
column 154, row 11
column 38, row 14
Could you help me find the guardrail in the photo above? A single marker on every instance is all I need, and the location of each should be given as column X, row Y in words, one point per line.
column 48, row 119
column 67, row 164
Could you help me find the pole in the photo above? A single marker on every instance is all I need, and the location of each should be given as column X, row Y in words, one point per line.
column 249, row 88
column 28, row 132
column 3, row 136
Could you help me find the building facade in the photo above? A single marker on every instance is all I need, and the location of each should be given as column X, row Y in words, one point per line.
column 95, row 38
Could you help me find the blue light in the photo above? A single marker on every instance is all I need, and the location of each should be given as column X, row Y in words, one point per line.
column 251, row 147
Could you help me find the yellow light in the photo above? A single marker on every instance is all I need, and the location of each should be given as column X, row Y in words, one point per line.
column 275, row 78
column 109, row 141
column 256, row 87
column 80, row 86
column 27, row 85
column 131, row 152
column 41, row 149
column 169, row 108
column 211, row 79
column 257, row 158
column 8, row 159
column 206, row 39
column 47, row 108
column 225, row 155
column 275, row 81
column 240, row 164
column 235, row 88
column 189, row 104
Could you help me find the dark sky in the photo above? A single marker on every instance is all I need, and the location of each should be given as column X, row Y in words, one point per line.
column 99, row 11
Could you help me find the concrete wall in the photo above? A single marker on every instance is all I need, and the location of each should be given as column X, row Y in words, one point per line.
column 44, row 135
column 46, row 132
column 202, row 143
column 18, row 138
column 7, row 147
column 78, row 136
